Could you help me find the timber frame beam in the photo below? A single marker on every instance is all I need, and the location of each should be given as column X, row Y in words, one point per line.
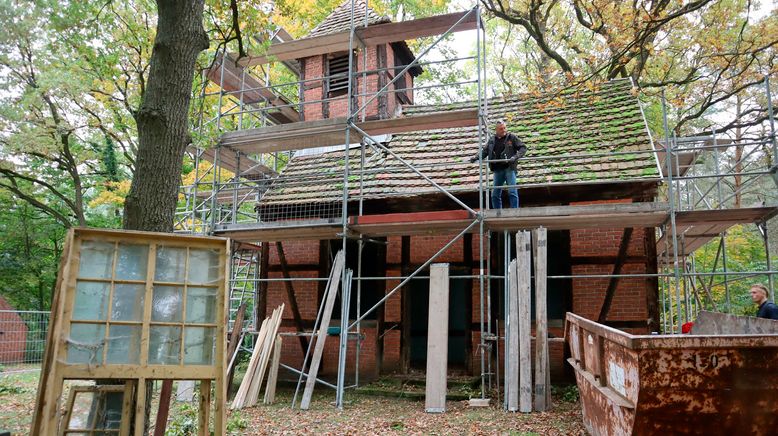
column 371, row 35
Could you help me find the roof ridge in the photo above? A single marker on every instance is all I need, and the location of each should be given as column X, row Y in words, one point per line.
column 340, row 18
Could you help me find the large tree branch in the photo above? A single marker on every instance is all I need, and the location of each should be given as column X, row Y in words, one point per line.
column 532, row 25
column 13, row 175
column 13, row 187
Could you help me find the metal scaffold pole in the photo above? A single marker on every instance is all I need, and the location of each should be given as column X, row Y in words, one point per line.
column 671, row 200
column 480, row 51
column 345, row 276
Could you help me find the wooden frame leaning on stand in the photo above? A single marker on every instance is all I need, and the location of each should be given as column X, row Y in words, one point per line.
column 127, row 306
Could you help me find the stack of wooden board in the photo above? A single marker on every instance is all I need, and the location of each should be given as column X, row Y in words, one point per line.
column 248, row 392
column 518, row 378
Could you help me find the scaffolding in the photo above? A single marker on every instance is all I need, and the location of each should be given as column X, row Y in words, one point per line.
column 261, row 125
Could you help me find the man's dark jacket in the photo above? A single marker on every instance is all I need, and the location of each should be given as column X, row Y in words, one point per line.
column 513, row 150
column 768, row 310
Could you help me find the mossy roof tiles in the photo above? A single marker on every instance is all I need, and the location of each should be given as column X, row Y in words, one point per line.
column 594, row 136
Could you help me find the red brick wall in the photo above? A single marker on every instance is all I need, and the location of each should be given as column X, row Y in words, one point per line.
column 13, row 334
column 629, row 303
column 315, row 70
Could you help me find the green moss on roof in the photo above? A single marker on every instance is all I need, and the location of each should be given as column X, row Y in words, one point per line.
column 601, row 124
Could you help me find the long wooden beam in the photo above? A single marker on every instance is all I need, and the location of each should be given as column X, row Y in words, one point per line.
column 332, row 131
column 243, row 86
column 371, row 35
column 610, row 292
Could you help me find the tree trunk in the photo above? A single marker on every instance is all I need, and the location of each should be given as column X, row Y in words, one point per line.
column 163, row 127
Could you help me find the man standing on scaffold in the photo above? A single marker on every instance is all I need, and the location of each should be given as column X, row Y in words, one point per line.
column 503, row 150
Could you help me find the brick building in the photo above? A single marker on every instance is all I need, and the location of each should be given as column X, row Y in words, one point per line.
column 13, row 334
column 585, row 147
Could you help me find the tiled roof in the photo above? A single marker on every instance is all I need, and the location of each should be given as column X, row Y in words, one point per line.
column 340, row 18
column 590, row 136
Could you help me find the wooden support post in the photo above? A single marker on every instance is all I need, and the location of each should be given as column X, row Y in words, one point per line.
column 129, row 391
column 272, row 378
column 614, row 281
column 301, row 91
column 523, row 250
column 380, row 313
column 140, row 408
column 232, row 347
column 512, row 340
column 467, row 259
column 437, row 340
column 542, row 369
column 50, row 383
column 652, row 283
column 205, row 409
column 163, row 410
column 332, row 291
column 298, row 320
column 325, row 266
column 405, row 305
column 325, row 87
column 261, row 288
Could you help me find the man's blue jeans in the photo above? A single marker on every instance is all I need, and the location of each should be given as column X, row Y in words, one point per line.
column 506, row 176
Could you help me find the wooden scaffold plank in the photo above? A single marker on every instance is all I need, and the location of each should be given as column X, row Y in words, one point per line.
column 332, row 291
column 272, row 378
column 542, row 376
column 437, row 340
column 512, row 340
column 523, row 247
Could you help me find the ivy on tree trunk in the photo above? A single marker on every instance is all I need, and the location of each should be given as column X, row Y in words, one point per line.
column 163, row 127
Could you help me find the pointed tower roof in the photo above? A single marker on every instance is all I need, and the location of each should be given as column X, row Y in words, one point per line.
column 340, row 18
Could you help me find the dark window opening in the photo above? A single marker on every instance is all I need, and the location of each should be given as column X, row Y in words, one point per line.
column 373, row 265
column 337, row 72
column 458, row 319
column 401, row 84
column 559, row 292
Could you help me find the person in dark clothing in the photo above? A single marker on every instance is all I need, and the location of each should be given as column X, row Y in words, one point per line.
column 760, row 295
column 503, row 150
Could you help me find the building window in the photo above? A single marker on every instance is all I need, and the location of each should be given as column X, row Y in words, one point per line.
column 402, row 93
column 337, row 81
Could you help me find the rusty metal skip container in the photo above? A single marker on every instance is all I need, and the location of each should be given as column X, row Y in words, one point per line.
column 674, row 384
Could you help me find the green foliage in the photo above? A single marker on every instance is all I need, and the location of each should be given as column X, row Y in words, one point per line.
column 184, row 422
column 568, row 393
column 236, row 422
column 8, row 388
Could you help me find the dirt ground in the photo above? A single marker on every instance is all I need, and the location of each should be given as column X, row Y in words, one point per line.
column 363, row 414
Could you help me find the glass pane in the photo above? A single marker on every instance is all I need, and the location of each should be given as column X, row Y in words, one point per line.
column 85, row 343
column 164, row 345
column 201, row 305
column 91, row 301
column 198, row 345
column 110, row 413
column 132, row 262
column 204, row 266
column 81, row 416
column 123, row 344
column 128, row 302
column 167, row 304
column 170, row 265
column 96, row 260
